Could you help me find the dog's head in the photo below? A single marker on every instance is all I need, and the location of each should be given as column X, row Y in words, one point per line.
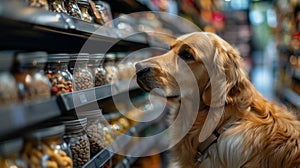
column 204, row 56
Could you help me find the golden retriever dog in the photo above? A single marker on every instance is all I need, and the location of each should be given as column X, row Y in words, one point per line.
column 234, row 125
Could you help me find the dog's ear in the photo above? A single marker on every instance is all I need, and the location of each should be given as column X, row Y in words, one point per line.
column 225, row 73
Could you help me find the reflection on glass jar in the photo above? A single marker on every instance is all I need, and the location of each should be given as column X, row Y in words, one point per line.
column 111, row 68
column 95, row 65
column 29, row 74
column 58, row 74
column 84, row 6
column 72, row 8
column 10, row 156
column 82, row 76
column 45, row 147
column 57, row 6
column 94, row 130
column 77, row 140
column 38, row 3
column 8, row 86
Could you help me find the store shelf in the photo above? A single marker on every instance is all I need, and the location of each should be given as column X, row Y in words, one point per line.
column 291, row 96
column 25, row 28
column 20, row 116
column 124, row 141
column 70, row 101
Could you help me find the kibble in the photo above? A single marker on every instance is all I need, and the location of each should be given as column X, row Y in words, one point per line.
column 59, row 84
column 96, row 138
column 83, row 80
column 80, row 150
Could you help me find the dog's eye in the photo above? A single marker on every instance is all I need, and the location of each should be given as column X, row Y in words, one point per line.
column 186, row 55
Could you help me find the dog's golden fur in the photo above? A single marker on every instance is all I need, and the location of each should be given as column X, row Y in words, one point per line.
column 253, row 131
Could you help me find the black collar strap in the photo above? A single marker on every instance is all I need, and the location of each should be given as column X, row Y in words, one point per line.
column 207, row 143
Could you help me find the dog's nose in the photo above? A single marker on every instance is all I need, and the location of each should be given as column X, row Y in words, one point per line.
column 141, row 69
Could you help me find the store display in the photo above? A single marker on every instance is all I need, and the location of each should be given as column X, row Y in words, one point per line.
column 95, row 13
column 10, row 154
column 82, row 76
column 84, row 8
column 8, row 91
column 38, row 3
column 126, row 69
column 72, row 8
column 76, row 138
column 111, row 68
column 45, row 147
column 29, row 74
column 58, row 74
column 95, row 66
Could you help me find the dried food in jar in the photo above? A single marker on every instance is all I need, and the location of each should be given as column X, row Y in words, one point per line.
column 78, row 141
column 72, row 8
column 10, row 154
column 84, row 6
column 57, row 71
column 94, row 130
column 29, row 74
column 45, row 147
column 111, row 68
column 8, row 87
column 95, row 66
column 57, row 6
column 83, row 78
column 38, row 3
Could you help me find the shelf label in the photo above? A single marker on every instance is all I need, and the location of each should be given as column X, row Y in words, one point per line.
column 82, row 97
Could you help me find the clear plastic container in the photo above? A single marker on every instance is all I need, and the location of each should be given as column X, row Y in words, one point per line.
column 10, row 154
column 29, row 74
column 111, row 68
column 95, row 65
column 84, row 6
column 38, row 3
column 78, row 141
column 60, row 77
column 73, row 8
column 8, row 86
column 83, row 78
column 94, row 130
column 45, row 147
column 57, row 6
column 105, row 12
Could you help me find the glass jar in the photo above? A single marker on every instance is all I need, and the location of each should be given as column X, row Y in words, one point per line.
column 83, row 78
column 44, row 147
column 105, row 12
column 29, row 74
column 78, row 141
column 38, row 3
column 57, row 6
column 94, row 130
column 10, row 156
column 8, row 86
column 84, row 8
column 111, row 68
column 95, row 65
column 58, row 74
column 72, row 8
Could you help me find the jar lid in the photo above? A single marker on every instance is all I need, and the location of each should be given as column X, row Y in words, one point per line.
column 110, row 57
column 47, row 132
column 72, row 125
column 31, row 57
column 11, row 146
column 84, row 2
column 79, row 57
column 6, row 58
column 58, row 57
column 90, row 115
